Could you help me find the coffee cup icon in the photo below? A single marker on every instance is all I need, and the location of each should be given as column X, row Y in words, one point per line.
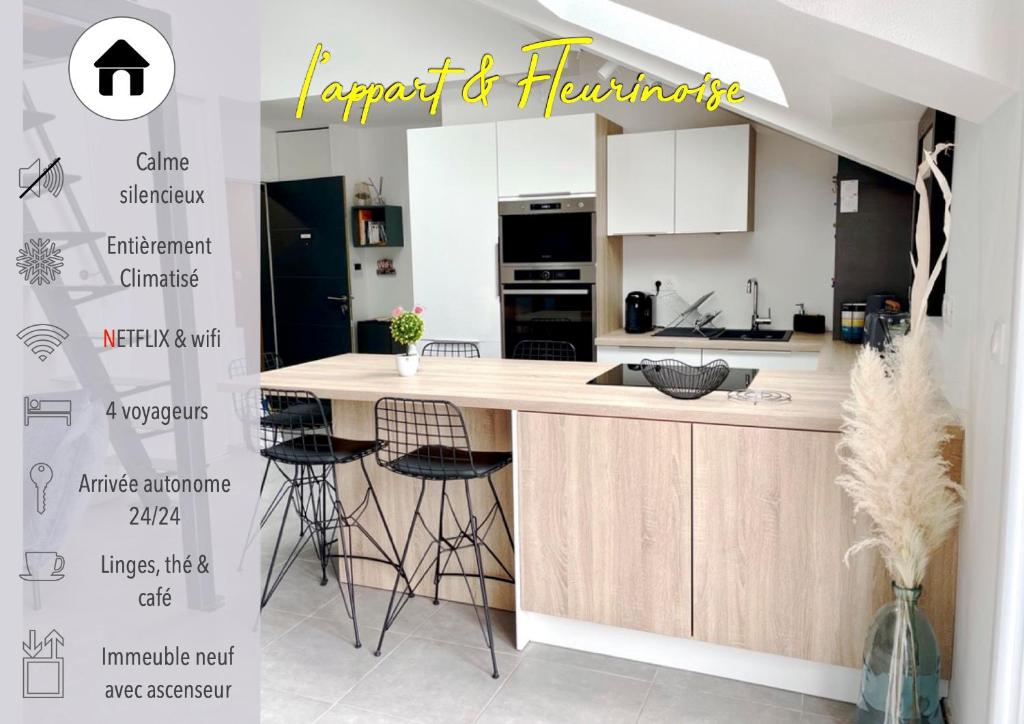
column 43, row 566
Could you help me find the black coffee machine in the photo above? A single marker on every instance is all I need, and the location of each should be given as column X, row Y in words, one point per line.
column 639, row 312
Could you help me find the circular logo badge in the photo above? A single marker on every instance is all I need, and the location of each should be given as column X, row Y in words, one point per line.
column 121, row 68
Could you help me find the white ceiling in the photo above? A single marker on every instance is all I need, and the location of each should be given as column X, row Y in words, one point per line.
column 855, row 90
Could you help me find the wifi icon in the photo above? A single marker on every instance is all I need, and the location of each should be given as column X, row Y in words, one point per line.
column 42, row 339
column 50, row 178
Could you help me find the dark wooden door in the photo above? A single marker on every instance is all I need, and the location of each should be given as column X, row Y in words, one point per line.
column 309, row 268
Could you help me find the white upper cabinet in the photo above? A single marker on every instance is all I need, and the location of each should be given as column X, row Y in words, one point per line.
column 547, row 156
column 714, row 179
column 641, row 183
column 453, row 210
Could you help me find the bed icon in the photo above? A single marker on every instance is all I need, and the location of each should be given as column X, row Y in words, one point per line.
column 38, row 408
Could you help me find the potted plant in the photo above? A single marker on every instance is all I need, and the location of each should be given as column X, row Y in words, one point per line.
column 895, row 424
column 407, row 329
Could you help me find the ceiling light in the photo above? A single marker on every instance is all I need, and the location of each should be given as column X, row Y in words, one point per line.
column 607, row 69
column 676, row 44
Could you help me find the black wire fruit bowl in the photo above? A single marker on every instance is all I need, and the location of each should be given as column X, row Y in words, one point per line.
column 682, row 381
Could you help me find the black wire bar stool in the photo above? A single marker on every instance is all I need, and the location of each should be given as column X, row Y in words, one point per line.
column 447, row 348
column 427, row 439
column 544, row 349
column 296, row 432
column 251, row 410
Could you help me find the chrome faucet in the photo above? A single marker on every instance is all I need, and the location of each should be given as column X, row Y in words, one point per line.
column 755, row 319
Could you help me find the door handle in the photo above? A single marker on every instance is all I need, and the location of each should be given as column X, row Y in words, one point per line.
column 342, row 300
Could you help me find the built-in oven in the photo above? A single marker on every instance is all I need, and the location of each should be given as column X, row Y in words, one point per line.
column 551, row 232
column 549, row 308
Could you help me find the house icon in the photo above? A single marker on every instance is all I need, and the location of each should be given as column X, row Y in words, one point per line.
column 121, row 56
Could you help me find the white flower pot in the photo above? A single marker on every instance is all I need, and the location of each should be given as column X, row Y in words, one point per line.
column 409, row 362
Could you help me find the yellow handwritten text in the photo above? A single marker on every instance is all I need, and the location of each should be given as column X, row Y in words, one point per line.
column 710, row 92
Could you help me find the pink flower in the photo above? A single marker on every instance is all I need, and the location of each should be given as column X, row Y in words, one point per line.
column 397, row 312
column 418, row 309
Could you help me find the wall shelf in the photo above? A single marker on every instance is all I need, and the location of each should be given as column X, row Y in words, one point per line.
column 388, row 217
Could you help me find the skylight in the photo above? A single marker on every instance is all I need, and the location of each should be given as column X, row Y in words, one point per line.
column 673, row 43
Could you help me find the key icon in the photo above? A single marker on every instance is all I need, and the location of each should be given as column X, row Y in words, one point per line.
column 40, row 474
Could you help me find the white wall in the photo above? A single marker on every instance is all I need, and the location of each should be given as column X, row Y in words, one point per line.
column 303, row 154
column 369, row 153
column 791, row 251
column 983, row 248
column 268, row 155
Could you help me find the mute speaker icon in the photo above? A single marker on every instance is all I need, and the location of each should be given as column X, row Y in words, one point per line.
column 51, row 178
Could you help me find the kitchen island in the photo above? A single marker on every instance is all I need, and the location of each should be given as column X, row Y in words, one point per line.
column 706, row 534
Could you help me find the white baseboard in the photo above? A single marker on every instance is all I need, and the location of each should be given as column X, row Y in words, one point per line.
column 807, row 677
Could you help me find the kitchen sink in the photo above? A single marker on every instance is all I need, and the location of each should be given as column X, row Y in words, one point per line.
column 751, row 335
column 760, row 335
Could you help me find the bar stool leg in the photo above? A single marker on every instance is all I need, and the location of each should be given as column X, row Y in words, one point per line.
column 322, row 525
column 440, row 538
column 483, row 581
column 348, row 589
column 501, row 512
column 250, row 536
column 401, row 568
column 387, row 528
column 268, row 588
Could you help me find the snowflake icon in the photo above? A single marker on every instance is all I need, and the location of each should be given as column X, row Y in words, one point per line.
column 39, row 261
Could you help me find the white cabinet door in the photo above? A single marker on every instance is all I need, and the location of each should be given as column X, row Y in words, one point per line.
column 714, row 179
column 763, row 359
column 547, row 156
column 453, row 210
column 642, row 183
column 635, row 355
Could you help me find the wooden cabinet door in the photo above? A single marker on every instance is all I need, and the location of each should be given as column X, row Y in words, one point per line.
column 714, row 179
column 547, row 156
column 641, row 183
column 770, row 529
column 453, row 210
column 604, row 508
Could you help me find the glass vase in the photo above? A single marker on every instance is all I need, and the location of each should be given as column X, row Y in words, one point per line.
column 900, row 682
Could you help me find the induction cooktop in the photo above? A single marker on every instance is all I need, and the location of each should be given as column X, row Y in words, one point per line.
column 630, row 375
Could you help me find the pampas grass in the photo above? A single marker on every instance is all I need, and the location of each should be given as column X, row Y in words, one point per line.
column 895, row 424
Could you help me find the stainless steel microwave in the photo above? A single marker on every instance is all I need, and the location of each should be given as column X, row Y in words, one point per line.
column 547, row 232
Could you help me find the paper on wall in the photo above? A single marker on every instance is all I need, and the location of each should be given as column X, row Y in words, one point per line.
column 849, row 190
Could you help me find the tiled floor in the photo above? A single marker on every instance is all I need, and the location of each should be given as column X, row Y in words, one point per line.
column 435, row 668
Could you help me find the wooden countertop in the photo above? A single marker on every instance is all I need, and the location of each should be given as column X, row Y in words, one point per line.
column 561, row 387
column 799, row 342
